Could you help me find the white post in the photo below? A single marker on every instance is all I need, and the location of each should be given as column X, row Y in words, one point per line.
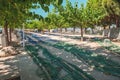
column 23, row 37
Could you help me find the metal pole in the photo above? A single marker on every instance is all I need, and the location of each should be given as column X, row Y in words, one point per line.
column 23, row 37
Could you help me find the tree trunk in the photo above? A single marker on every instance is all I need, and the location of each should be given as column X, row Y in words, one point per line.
column 92, row 31
column 74, row 29
column 117, row 22
column 6, row 33
column 81, row 33
column 61, row 29
column 57, row 30
column 85, row 30
column 109, row 26
column 10, row 35
column 65, row 29
column 104, row 27
column 48, row 31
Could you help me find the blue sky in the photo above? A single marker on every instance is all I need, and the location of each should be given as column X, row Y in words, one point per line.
column 44, row 14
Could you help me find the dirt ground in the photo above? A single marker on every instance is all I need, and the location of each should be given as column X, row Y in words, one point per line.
column 88, row 45
column 22, row 65
column 19, row 66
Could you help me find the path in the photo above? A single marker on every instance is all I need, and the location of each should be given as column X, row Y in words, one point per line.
column 8, row 67
column 21, row 66
column 93, row 46
column 74, row 60
column 28, row 69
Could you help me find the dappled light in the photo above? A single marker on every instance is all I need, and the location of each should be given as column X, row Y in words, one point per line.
column 59, row 40
column 8, row 67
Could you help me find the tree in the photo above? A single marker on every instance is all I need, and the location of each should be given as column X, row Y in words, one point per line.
column 15, row 12
column 75, row 16
column 112, row 8
column 56, row 20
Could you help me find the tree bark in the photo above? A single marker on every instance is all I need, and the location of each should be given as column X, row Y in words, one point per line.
column 57, row 29
column 104, row 27
column 48, row 31
column 74, row 29
column 61, row 29
column 117, row 22
column 92, row 31
column 10, row 34
column 81, row 33
column 85, row 30
column 65, row 29
column 6, row 33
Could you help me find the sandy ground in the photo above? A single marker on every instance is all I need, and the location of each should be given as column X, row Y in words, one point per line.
column 93, row 46
column 117, row 43
column 27, row 68
column 82, row 65
column 18, row 65
column 24, row 66
column 8, row 67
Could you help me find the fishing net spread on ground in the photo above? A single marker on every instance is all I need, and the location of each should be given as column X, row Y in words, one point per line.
column 74, row 73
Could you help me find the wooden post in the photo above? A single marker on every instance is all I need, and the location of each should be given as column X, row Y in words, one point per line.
column 23, row 37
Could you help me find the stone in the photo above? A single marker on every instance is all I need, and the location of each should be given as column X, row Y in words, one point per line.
column 2, row 54
column 7, row 51
column 105, row 32
column 114, row 32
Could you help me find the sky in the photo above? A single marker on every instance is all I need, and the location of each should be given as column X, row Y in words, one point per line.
column 44, row 14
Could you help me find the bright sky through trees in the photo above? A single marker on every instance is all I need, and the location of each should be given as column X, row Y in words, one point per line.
column 44, row 14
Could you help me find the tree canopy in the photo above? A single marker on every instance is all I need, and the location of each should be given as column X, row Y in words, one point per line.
column 15, row 12
column 95, row 12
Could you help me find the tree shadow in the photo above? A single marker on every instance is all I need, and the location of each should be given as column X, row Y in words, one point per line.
column 9, row 68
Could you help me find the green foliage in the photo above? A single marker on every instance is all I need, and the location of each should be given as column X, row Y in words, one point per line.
column 111, row 6
column 56, row 20
column 95, row 12
column 35, row 24
column 15, row 12
column 18, row 11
